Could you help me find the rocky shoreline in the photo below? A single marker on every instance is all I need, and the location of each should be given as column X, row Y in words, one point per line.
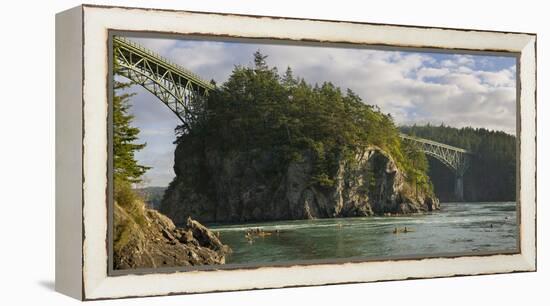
column 144, row 238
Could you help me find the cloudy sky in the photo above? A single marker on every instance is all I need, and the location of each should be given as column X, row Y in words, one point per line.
column 456, row 89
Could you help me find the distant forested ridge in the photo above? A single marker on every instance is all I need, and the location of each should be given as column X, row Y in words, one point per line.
column 151, row 195
column 492, row 174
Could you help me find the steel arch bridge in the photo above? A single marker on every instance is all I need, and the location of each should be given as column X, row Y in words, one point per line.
column 456, row 159
column 181, row 90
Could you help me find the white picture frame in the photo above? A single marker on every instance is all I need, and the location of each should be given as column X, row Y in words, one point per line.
column 82, row 67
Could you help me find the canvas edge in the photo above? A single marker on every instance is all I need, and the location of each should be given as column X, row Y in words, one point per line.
column 99, row 286
column 528, row 152
column 68, row 152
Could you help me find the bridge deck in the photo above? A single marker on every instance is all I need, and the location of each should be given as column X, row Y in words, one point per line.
column 435, row 143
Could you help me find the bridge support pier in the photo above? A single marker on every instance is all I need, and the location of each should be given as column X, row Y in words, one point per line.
column 459, row 187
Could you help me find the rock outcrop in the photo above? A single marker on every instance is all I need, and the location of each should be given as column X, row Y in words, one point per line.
column 144, row 238
column 239, row 187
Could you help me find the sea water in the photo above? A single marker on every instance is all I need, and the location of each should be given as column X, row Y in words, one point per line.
column 458, row 228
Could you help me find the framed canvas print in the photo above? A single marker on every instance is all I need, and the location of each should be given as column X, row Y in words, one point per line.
column 201, row 152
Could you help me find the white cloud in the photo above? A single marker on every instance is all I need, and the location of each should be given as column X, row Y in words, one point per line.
column 464, row 60
column 158, row 45
column 428, row 72
column 502, row 78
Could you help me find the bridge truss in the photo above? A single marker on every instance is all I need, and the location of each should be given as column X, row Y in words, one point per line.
column 181, row 90
column 456, row 159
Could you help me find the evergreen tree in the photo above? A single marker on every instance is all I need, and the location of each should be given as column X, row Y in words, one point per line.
column 288, row 79
column 125, row 167
column 260, row 61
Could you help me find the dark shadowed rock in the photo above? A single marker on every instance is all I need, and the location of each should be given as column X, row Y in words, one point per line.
column 239, row 187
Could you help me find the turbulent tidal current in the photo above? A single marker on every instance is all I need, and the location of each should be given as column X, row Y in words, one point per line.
column 458, row 228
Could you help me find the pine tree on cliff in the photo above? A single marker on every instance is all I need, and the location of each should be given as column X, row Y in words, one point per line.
column 260, row 63
column 125, row 166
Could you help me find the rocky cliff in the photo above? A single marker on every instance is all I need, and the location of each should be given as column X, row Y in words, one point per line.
column 144, row 238
column 241, row 186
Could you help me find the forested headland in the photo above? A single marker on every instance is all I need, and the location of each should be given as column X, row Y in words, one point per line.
column 273, row 146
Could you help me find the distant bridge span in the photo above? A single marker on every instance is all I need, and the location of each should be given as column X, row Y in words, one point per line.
column 184, row 93
column 456, row 159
